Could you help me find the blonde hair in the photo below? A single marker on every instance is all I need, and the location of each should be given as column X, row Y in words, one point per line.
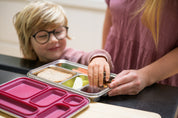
column 37, row 15
column 151, row 17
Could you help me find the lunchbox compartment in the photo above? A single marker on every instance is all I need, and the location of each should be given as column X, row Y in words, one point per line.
column 66, row 65
column 74, row 100
column 16, row 106
column 89, row 89
column 55, row 111
column 73, row 67
column 23, row 88
column 70, row 82
column 48, row 97
column 52, row 73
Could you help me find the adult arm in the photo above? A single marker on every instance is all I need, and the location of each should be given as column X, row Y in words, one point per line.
column 131, row 82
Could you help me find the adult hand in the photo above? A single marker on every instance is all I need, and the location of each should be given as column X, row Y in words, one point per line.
column 128, row 82
column 96, row 69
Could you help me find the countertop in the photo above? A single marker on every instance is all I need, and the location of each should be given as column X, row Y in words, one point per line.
column 156, row 98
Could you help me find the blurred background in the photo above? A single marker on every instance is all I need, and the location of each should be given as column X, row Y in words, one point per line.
column 85, row 17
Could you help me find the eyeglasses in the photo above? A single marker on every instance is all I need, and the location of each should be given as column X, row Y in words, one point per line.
column 43, row 36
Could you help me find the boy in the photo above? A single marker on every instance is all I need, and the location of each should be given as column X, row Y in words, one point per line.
column 42, row 29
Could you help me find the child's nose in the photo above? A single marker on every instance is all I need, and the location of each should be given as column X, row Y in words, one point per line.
column 52, row 38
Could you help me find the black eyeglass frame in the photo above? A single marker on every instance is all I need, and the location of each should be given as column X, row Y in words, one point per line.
column 53, row 32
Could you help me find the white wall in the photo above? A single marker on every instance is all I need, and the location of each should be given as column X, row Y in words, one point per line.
column 85, row 24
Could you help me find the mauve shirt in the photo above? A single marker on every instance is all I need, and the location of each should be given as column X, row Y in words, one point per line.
column 131, row 44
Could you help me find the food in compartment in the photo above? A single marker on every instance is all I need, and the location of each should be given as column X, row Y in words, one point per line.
column 81, row 70
column 73, row 68
column 54, row 75
column 106, row 83
column 76, row 82
column 89, row 89
column 67, row 66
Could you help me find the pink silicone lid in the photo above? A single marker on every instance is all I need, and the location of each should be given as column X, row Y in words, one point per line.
column 31, row 98
column 23, row 87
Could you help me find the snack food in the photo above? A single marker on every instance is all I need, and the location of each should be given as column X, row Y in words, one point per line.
column 78, row 83
column 54, row 75
column 81, row 70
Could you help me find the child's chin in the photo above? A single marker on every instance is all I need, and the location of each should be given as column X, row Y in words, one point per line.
column 54, row 58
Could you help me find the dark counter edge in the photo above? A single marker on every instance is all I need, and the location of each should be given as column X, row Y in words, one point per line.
column 17, row 65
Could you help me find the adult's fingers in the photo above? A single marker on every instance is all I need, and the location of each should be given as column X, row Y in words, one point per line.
column 124, row 72
column 125, row 89
column 120, row 80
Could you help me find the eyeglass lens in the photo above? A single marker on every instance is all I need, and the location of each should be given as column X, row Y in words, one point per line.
column 43, row 36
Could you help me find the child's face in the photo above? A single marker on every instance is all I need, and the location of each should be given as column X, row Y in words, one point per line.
column 53, row 48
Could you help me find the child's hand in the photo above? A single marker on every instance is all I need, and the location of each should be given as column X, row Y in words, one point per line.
column 96, row 70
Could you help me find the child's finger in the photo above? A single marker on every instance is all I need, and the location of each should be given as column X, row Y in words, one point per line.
column 90, row 75
column 107, row 72
column 95, row 75
column 101, row 75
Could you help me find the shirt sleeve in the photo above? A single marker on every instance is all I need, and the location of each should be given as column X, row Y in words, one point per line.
column 85, row 57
